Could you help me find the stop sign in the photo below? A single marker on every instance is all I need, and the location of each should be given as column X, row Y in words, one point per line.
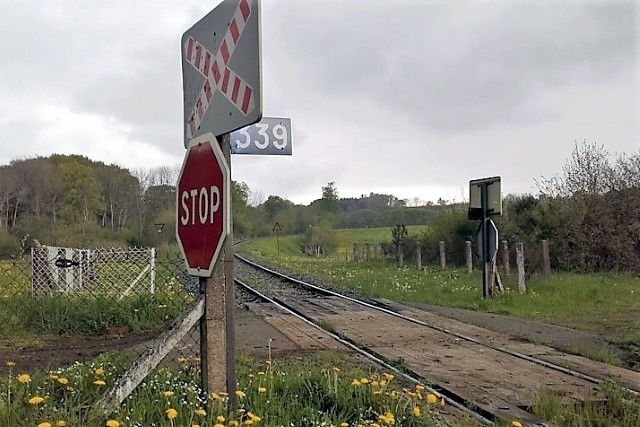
column 203, row 194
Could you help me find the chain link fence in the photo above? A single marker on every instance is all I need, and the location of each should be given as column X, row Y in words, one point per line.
column 104, row 299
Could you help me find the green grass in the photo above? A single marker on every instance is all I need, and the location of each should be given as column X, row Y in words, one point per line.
column 320, row 389
column 371, row 235
column 613, row 407
column 603, row 303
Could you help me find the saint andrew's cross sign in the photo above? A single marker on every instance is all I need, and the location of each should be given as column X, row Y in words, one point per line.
column 221, row 70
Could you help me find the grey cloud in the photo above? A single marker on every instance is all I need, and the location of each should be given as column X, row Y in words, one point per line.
column 457, row 66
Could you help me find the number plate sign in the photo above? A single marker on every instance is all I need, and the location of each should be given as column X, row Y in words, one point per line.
column 270, row 136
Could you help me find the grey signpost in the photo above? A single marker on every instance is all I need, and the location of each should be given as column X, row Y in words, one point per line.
column 221, row 67
column 485, row 200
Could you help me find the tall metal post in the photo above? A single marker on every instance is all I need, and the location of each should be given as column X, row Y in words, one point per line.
column 484, row 203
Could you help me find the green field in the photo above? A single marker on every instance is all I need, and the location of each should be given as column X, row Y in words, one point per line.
column 603, row 303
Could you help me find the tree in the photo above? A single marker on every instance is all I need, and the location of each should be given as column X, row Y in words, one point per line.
column 587, row 171
column 239, row 206
column 120, row 192
column 82, row 192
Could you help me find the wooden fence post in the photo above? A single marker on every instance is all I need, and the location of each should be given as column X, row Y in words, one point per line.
column 546, row 260
column 443, row 257
column 469, row 256
column 505, row 258
column 400, row 256
column 520, row 263
column 419, row 257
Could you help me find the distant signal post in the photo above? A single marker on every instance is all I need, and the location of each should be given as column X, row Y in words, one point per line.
column 485, row 201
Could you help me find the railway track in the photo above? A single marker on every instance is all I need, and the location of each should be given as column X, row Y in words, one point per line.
column 481, row 373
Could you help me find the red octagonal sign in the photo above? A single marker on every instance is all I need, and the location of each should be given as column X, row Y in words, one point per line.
column 203, row 196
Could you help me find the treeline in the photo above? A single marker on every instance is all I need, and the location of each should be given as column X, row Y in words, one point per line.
column 74, row 201
column 590, row 214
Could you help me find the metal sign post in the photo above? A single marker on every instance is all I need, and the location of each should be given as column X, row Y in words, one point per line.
column 485, row 201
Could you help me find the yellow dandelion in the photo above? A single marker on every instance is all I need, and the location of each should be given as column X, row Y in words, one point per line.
column 262, row 390
column 24, row 378
column 344, row 424
column 10, row 363
column 99, row 371
column 61, row 423
column 215, row 396
column 198, row 425
column 375, row 425
column 416, row 411
column 182, row 359
column 113, row 423
column 261, row 373
column 420, row 387
column 233, row 423
column 375, row 384
column 393, row 394
column 251, row 375
column 167, row 393
column 218, row 425
column 388, row 377
column 201, row 412
column 383, row 383
column 220, row 419
column 442, row 402
column 36, row 400
column 63, row 380
column 431, row 398
column 240, row 394
column 223, row 393
column 364, row 380
column 336, row 369
column 171, row 413
column 253, row 416
column 53, row 377
column 355, row 383
column 99, row 382
column 44, row 424
column 387, row 418
column 516, row 423
column 248, row 422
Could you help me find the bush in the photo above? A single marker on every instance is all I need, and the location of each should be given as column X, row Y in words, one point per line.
column 453, row 227
column 9, row 245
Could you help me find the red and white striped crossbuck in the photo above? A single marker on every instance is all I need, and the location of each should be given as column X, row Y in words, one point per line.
column 218, row 76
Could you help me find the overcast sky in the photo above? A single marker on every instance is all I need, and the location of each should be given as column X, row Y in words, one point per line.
column 410, row 98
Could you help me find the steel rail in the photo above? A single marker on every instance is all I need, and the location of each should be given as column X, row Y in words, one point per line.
column 417, row 379
column 519, row 355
